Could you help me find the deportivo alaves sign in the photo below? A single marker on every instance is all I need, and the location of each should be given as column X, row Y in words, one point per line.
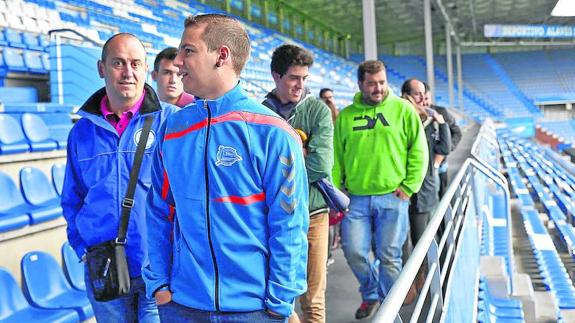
column 529, row 31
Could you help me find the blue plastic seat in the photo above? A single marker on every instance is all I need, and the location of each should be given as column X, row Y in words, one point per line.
column 12, row 138
column 60, row 133
column 74, row 268
column 39, row 192
column 3, row 41
column 14, row 38
column 37, row 133
column 13, row 208
column 46, row 61
column 47, row 287
column 15, row 309
column 58, row 172
column 32, row 41
column 14, row 60
column 33, row 61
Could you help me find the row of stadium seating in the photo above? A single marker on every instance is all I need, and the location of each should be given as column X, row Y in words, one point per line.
column 37, row 201
column 26, row 40
column 523, row 165
column 51, row 293
column 13, row 60
column 30, row 134
column 494, row 309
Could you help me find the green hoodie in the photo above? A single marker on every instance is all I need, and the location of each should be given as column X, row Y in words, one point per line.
column 379, row 148
column 313, row 117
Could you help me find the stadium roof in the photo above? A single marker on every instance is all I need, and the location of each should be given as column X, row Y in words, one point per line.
column 402, row 20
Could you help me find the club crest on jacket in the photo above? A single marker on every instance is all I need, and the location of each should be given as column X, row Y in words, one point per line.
column 227, row 156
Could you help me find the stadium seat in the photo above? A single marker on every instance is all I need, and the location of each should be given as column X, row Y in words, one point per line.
column 12, row 138
column 3, row 41
column 58, row 171
column 74, row 269
column 33, row 61
column 13, row 208
column 14, row 38
column 37, row 133
column 39, row 192
column 46, row 61
column 32, row 41
column 14, row 60
column 15, row 309
column 47, row 287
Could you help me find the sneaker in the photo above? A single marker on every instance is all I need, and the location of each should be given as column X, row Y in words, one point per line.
column 366, row 309
column 330, row 261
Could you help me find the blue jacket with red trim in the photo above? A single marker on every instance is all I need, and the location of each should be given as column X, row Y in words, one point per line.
column 98, row 168
column 227, row 211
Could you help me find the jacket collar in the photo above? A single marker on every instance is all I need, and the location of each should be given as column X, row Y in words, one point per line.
column 92, row 105
column 225, row 103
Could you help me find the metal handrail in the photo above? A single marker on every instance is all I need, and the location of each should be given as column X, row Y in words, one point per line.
column 389, row 309
column 59, row 31
column 476, row 153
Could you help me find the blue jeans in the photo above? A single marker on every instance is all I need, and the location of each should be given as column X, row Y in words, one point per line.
column 174, row 312
column 134, row 307
column 377, row 223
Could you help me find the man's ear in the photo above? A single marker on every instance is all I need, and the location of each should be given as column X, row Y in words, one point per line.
column 154, row 75
column 276, row 76
column 101, row 69
column 224, row 55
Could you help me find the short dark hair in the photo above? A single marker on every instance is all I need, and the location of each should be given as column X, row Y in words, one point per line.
column 107, row 44
column 325, row 89
column 221, row 30
column 168, row 53
column 371, row 67
column 288, row 55
column 406, row 86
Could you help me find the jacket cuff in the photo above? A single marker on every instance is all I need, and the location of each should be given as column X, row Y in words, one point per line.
column 153, row 283
column 406, row 190
column 281, row 308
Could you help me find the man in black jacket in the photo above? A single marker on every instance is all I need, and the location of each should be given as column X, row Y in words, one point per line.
column 456, row 135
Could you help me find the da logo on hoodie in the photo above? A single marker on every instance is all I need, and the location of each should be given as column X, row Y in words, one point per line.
column 151, row 138
column 227, row 156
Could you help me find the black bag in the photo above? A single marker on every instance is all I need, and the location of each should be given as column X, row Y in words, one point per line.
column 108, row 270
column 106, row 261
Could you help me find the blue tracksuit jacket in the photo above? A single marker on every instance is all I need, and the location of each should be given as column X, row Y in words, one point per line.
column 97, row 174
column 227, row 212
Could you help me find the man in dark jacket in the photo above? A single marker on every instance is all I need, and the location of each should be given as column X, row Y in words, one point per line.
column 438, row 143
column 456, row 135
column 312, row 118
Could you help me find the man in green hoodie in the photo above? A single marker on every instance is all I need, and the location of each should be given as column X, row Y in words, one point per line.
column 381, row 159
column 312, row 119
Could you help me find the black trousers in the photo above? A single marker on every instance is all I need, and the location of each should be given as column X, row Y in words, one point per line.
column 442, row 184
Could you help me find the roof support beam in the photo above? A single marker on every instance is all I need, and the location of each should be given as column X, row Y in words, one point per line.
column 429, row 47
column 369, row 30
column 448, row 23
column 449, row 56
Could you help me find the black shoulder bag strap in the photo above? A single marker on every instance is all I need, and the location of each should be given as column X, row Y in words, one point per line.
column 128, row 201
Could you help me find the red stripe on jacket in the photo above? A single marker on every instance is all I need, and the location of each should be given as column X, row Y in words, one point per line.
column 239, row 116
column 165, row 186
column 242, row 200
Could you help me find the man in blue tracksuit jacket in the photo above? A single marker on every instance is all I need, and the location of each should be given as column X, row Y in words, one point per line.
column 101, row 150
column 227, row 210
